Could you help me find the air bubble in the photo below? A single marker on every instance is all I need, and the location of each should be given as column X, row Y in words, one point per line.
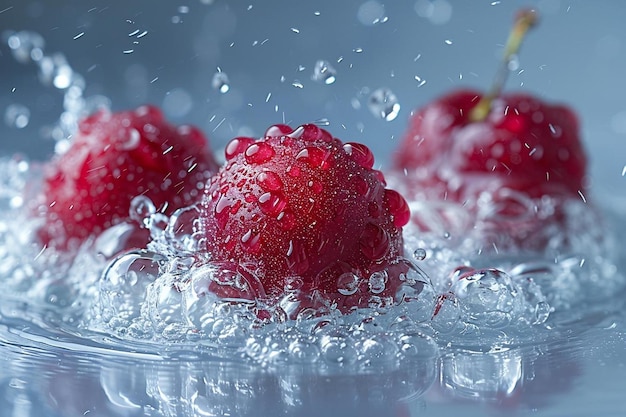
column 348, row 283
column 489, row 298
column 302, row 350
column 338, row 348
column 378, row 348
column 384, row 104
column 377, row 282
column 446, row 314
column 324, row 73
column 123, row 285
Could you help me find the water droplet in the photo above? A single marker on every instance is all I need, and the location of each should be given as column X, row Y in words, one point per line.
column 130, row 140
column 237, row 146
column 259, row 152
column 324, row 73
column 220, row 82
column 384, row 104
column 270, row 181
column 314, row 157
column 348, row 283
column 555, row 130
column 287, row 220
column 419, row 254
column 297, row 257
column 17, row 116
column 377, row 282
column 360, row 153
column 251, row 241
column 272, row 203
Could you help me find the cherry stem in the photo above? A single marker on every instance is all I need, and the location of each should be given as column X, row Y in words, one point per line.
column 524, row 20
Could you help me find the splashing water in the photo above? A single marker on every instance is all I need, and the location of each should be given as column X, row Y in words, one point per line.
column 54, row 71
column 467, row 287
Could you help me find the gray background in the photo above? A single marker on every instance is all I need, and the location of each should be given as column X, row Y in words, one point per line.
column 576, row 55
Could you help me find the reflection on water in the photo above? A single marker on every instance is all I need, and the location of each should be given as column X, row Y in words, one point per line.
column 45, row 373
column 42, row 380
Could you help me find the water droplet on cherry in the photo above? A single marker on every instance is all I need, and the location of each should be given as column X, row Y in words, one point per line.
column 360, row 153
column 314, row 157
column 259, row 152
column 237, row 146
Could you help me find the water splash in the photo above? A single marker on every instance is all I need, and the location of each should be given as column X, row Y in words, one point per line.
column 28, row 47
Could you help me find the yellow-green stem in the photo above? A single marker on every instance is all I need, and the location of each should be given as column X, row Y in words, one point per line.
column 524, row 20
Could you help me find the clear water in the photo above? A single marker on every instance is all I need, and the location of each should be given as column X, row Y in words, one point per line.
column 129, row 335
column 495, row 330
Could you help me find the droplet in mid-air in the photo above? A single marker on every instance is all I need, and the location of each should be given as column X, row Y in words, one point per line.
column 220, row 82
column 383, row 103
column 419, row 254
column 324, row 73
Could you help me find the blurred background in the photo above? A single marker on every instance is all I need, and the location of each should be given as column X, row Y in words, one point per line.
column 360, row 66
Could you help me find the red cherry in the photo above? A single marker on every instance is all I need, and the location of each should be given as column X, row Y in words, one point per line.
column 113, row 158
column 524, row 144
column 509, row 160
column 308, row 216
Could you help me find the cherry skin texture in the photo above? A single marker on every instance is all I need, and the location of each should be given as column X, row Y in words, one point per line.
column 524, row 144
column 305, row 215
column 114, row 157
